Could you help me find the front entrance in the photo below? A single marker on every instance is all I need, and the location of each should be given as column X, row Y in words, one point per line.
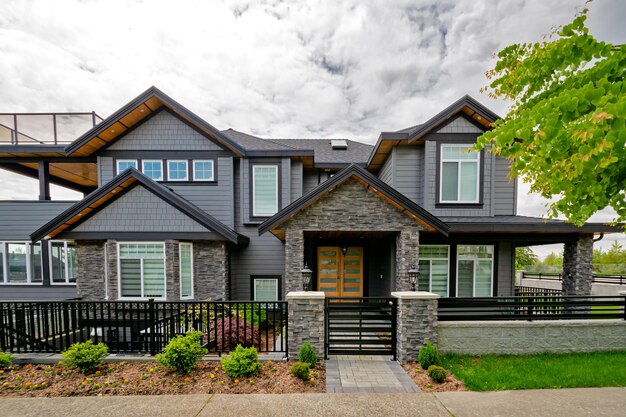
column 340, row 271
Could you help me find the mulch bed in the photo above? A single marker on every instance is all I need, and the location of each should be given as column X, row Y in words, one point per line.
column 150, row 378
column 426, row 384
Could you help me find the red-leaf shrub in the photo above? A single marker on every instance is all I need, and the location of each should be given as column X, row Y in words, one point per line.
column 232, row 331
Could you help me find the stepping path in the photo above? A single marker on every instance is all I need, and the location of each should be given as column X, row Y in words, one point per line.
column 361, row 374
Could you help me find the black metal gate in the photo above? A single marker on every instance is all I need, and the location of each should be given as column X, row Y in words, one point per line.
column 360, row 326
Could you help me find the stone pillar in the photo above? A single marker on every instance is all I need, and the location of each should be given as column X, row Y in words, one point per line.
column 407, row 254
column 294, row 259
column 210, row 270
column 416, row 322
column 90, row 281
column 578, row 266
column 306, row 321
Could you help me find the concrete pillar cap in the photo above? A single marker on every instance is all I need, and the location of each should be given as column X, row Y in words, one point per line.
column 622, row 293
column 415, row 295
column 305, row 295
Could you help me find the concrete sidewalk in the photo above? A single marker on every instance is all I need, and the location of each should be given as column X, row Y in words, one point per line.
column 565, row 402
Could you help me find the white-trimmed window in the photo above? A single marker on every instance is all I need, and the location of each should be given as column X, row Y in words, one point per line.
column 434, row 262
column 123, row 164
column 459, row 174
column 153, row 169
column 141, row 270
column 474, row 270
column 177, row 171
column 20, row 263
column 203, row 171
column 186, row 269
column 265, row 288
column 264, row 190
column 62, row 262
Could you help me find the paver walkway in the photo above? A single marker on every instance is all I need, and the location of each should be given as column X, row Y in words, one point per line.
column 361, row 374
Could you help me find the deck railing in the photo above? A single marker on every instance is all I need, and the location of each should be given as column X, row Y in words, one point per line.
column 142, row 326
column 532, row 308
column 44, row 128
column 615, row 279
column 522, row 290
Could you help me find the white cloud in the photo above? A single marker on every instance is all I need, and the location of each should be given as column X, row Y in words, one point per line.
column 284, row 69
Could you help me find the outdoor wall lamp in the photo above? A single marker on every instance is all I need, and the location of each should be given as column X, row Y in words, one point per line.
column 344, row 249
column 306, row 276
column 414, row 275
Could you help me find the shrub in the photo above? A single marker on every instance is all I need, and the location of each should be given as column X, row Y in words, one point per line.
column 242, row 362
column 307, row 354
column 232, row 332
column 301, row 370
column 437, row 373
column 85, row 356
column 254, row 316
column 6, row 360
column 428, row 356
column 183, row 352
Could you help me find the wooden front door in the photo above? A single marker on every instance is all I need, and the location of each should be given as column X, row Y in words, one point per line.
column 339, row 274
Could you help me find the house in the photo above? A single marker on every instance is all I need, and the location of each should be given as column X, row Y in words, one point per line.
column 176, row 209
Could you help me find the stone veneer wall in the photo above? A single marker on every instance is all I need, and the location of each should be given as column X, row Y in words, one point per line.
column 210, row 275
column 350, row 207
column 578, row 266
column 306, row 321
column 526, row 337
column 416, row 323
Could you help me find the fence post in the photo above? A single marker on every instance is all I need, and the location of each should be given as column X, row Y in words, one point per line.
column 152, row 327
column 416, row 322
column 305, row 318
column 623, row 294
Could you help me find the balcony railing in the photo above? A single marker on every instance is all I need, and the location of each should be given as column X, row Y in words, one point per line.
column 44, row 128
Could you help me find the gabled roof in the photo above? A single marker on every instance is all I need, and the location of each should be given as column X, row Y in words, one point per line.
column 372, row 183
column 466, row 106
column 150, row 101
column 121, row 184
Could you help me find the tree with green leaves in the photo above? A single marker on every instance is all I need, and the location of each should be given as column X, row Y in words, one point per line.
column 525, row 257
column 566, row 130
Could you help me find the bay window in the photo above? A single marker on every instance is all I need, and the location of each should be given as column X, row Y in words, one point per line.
column 141, row 270
column 434, row 267
column 475, row 270
column 459, row 174
column 264, row 190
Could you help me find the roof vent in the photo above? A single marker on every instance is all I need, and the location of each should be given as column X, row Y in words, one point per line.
column 339, row 144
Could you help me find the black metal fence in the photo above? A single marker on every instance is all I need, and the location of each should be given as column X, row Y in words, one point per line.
column 614, row 279
column 521, row 290
column 532, row 308
column 142, row 326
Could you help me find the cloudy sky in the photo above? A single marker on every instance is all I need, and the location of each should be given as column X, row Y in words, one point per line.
column 349, row 68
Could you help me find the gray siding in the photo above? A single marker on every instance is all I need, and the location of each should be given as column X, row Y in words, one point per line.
column 296, row 180
column 506, row 268
column 407, row 171
column 217, row 200
column 387, row 170
column 18, row 219
column 164, row 131
column 504, row 190
column 139, row 211
column 285, row 172
column 310, row 180
column 37, row 292
column 106, row 170
column 460, row 125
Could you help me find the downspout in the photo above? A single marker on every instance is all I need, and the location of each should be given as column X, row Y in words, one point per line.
column 106, row 273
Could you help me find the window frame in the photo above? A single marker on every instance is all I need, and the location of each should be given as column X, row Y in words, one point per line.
column 119, row 273
column 117, row 165
column 277, row 278
column 29, row 266
column 478, row 199
column 143, row 168
column 430, row 281
column 180, row 272
column 186, row 162
column 66, row 272
column 193, row 163
column 276, row 167
column 493, row 267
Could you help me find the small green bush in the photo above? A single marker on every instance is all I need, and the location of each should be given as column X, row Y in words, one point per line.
column 301, row 370
column 437, row 373
column 6, row 360
column 183, row 352
column 307, row 354
column 428, row 356
column 242, row 362
column 85, row 356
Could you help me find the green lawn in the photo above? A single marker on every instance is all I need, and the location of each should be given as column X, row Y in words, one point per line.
column 546, row 370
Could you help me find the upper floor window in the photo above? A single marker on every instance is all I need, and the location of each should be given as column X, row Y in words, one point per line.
column 264, row 190
column 20, row 263
column 460, row 174
column 153, row 169
column 203, row 171
column 177, row 171
column 123, row 164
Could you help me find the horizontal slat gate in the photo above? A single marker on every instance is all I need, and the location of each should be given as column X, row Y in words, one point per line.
column 360, row 326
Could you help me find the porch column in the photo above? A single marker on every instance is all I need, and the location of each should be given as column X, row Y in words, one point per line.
column 416, row 322
column 294, row 259
column 44, row 180
column 407, row 255
column 577, row 266
column 306, row 321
